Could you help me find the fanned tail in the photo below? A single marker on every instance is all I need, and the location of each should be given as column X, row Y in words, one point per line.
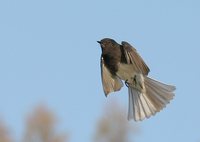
column 154, row 97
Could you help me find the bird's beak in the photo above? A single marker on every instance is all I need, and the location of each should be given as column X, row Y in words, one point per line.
column 99, row 42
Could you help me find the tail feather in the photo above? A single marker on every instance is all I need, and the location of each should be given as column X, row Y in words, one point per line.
column 140, row 106
column 162, row 91
column 143, row 104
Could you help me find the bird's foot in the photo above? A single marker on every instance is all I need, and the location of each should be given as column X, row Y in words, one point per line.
column 126, row 83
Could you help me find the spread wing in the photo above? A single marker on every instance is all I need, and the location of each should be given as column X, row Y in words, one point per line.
column 110, row 82
column 130, row 56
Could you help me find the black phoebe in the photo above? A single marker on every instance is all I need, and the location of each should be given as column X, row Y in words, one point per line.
column 122, row 62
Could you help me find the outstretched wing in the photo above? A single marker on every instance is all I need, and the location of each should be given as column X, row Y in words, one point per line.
column 130, row 56
column 110, row 82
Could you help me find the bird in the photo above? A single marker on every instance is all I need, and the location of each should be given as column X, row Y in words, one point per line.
column 122, row 63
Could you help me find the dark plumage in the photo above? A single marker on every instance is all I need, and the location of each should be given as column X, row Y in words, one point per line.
column 122, row 62
column 111, row 55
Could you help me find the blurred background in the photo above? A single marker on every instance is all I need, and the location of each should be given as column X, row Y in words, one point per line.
column 50, row 83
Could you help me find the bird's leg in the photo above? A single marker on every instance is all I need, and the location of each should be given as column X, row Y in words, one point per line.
column 133, row 82
column 138, row 82
column 126, row 83
column 134, row 79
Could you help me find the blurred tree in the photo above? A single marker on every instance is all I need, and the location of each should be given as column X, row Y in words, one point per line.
column 113, row 126
column 40, row 127
column 4, row 133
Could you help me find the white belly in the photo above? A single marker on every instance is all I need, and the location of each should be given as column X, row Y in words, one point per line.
column 126, row 72
column 134, row 79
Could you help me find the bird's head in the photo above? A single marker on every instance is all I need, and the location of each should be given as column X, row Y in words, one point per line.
column 106, row 43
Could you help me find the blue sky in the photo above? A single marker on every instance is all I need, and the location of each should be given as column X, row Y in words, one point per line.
column 49, row 54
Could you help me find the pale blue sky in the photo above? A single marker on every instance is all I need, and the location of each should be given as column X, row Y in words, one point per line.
column 49, row 54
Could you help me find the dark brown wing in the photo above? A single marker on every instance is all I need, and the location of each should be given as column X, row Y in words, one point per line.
column 131, row 56
column 110, row 82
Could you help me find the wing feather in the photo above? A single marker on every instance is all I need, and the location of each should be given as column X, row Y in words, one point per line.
column 131, row 56
column 110, row 82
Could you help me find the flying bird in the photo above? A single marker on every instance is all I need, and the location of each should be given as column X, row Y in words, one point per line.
column 122, row 62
